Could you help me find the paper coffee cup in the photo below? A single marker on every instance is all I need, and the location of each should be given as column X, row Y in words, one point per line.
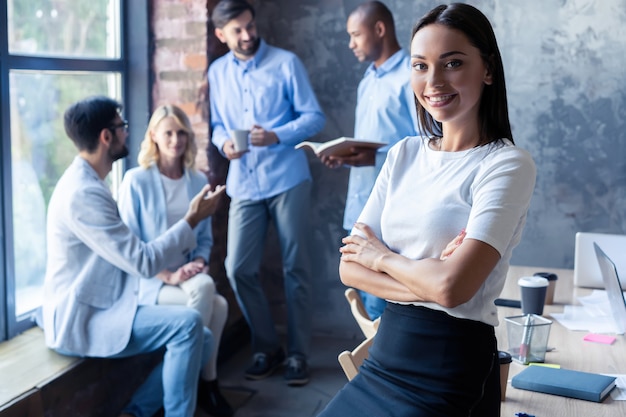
column 505, row 364
column 552, row 278
column 533, row 290
column 240, row 139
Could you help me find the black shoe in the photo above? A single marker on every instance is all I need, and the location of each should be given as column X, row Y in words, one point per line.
column 265, row 364
column 297, row 372
column 211, row 400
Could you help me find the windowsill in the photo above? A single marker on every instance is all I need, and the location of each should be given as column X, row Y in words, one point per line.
column 34, row 378
column 26, row 363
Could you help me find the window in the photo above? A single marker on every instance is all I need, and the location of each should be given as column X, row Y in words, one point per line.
column 40, row 152
column 52, row 53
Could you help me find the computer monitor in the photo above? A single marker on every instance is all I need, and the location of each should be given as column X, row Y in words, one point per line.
column 613, row 288
column 586, row 268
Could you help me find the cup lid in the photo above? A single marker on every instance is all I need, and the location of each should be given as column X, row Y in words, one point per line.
column 547, row 275
column 533, row 281
column 505, row 357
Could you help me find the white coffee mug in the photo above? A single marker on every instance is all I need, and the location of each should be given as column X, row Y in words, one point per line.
column 240, row 139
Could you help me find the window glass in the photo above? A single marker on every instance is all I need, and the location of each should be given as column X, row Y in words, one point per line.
column 40, row 153
column 67, row 28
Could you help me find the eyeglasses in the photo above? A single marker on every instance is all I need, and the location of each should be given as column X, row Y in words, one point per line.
column 123, row 124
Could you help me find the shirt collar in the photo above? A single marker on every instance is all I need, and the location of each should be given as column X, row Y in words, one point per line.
column 387, row 66
column 254, row 61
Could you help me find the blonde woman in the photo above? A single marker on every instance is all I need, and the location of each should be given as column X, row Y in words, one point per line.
column 154, row 196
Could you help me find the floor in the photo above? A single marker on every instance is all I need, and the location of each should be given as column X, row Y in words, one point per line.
column 271, row 397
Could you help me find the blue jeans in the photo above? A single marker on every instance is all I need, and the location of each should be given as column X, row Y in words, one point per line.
column 373, row 305
column 247, row 228
column 173, row 383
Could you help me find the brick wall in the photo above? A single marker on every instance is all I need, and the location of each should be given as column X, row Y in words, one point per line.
column 179, row 62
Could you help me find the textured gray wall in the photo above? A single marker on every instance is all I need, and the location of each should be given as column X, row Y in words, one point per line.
column 564, row 64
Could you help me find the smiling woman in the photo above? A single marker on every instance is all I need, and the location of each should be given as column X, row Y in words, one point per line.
column 448, row 78
column 453, row 70
column 464, row 174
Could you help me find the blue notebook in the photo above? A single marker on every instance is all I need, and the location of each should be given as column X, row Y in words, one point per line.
column 565, row 382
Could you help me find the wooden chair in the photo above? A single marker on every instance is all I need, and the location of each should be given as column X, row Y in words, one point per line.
column 368, row 327
column 350, row 361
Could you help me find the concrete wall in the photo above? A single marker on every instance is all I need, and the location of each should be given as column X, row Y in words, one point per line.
column 567, row 102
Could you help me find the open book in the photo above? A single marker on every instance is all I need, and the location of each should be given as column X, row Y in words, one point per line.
column 338, row 147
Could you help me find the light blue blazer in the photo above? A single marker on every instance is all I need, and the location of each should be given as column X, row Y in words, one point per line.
column 143, row 208
column 94, row 264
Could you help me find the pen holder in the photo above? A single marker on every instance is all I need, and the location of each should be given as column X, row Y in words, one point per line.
column 528, row 337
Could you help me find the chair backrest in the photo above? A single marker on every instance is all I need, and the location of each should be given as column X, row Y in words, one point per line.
column 350, row 361
column 368, row 327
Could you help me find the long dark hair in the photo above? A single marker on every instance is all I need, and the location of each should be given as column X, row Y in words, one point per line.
column 493, row 111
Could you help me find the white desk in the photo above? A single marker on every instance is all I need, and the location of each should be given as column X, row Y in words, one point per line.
column 571, row 352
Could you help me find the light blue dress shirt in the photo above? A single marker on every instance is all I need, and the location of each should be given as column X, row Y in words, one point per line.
column 271, row 89
column 385, row 112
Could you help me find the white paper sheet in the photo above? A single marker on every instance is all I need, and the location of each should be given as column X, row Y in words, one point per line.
column 594, row 315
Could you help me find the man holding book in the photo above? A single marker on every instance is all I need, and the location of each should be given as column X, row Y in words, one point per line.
column 385, row 110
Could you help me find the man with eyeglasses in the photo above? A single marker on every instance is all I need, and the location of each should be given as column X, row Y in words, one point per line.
column 119, row 149
column 94, row 261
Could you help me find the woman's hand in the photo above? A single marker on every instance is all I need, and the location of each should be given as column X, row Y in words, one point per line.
column 182, row 274
column 202, row 264
column 190, row 269
column 453, row 245
column 367, row 251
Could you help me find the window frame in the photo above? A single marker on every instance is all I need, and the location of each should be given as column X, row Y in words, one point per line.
column 132, row 64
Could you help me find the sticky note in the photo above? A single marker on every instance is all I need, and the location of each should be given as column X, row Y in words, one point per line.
column 547, row 365
column 599, row 338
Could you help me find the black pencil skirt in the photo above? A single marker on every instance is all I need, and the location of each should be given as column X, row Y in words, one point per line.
column 424, row 363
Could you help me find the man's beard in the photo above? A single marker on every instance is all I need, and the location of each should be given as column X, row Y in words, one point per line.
column 118, row 153
column 249, row 52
